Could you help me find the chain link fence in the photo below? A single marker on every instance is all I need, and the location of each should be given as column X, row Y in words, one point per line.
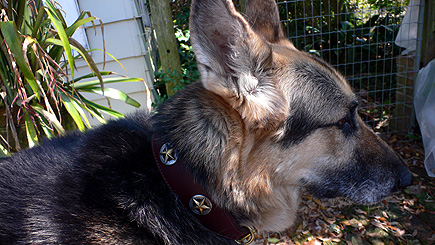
column 359, row 39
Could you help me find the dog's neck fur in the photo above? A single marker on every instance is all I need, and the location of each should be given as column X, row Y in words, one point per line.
column 210, row 135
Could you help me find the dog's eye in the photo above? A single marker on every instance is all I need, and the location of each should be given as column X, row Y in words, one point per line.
column 342, row 123
column 345, row 125
column 354, row 107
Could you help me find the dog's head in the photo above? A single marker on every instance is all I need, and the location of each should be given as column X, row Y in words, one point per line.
column 299, row 127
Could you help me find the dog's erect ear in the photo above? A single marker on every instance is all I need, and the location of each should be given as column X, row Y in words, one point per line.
column 221, row 37
column 263, row 16
column 235, row 62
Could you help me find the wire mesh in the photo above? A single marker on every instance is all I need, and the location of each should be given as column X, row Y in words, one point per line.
column 358, row 38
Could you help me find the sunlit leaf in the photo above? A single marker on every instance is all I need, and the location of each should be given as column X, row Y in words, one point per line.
column 32, row 136
column 72, row 111
column 4, row 152
column 104, row 109
column 50, row 118
column 10, row 35
column 93, row 111
column 81, row 112
column 89, row 60
column 106, row 81
column 45, row 125
column 112, row 93
column 90, row 75
column 79, row 22
column 58, row 24
column 111, row 56
column 81, row 50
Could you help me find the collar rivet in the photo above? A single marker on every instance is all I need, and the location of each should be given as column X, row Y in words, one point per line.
column 200, row 205
column 168, row 155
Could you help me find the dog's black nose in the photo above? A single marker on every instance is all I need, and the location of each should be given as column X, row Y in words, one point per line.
column 405, row 178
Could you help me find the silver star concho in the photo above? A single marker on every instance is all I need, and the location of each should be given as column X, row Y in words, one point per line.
column 200, row 205
column 168, row 155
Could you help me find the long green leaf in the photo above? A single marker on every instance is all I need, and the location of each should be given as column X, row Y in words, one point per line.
column 10, row 35
column 112, row 93
column 113, row 57
column 82, row 51
column 20, row 9
column 6, row 77
column 89, row 60
column 81, row 112
column 88, row 107
column 39, row 21
column 50, row 118
column 90, row 75
column 59, row 25
column 79, row 22
column 104, row 109
column 93, row 111
column 106, row 81
column 72, row 111
column 32, row 136
column 4, row 152
column 45, row 126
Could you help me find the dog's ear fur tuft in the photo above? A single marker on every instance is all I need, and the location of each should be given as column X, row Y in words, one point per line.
column 263, row 16
column 236, row 63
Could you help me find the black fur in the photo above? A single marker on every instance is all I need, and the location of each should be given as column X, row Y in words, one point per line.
column 101, row 186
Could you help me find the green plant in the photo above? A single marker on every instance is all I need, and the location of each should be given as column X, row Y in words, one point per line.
column 189, row 69
column 40, row 94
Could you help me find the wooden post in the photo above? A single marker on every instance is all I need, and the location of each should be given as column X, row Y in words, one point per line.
column 428, row 50
column 167, row 45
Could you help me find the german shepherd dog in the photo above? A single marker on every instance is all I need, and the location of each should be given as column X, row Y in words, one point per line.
column 264, row 123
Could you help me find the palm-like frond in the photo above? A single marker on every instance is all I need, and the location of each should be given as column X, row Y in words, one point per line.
column 37, row 79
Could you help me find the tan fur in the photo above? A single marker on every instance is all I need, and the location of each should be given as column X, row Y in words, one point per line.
column 269, row 91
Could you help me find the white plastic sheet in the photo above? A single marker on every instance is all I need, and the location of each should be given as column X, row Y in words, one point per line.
column 407, row 35
column 424, row 104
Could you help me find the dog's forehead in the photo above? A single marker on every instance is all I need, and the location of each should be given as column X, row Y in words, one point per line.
column 309, row 79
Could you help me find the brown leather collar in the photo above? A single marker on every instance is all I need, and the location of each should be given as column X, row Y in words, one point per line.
column 179, row 179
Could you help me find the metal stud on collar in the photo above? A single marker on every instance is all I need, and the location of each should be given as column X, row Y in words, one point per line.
column 200, row 205
column 168, row 155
